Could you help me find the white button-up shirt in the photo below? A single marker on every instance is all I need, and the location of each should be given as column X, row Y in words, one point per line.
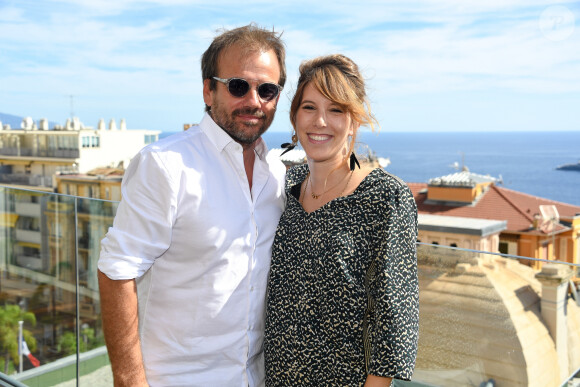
column 199, row 243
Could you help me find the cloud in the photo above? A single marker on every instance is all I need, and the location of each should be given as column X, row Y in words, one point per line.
column 117, row 52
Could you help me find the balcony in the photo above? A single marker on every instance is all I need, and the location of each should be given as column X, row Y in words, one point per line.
column 33, row 263
column 26, row 179
column 28, row 236
column 30, row 152
column 484, row 318
column 27, row 209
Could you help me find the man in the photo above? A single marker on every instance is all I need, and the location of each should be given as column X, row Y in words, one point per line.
column 183, row 270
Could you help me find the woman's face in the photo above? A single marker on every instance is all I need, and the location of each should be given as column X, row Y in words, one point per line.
column 322, row 127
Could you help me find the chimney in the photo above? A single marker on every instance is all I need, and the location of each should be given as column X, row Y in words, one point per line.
column 555, row 279
column 43, row 124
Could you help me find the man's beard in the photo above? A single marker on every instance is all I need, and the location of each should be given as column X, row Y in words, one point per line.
column 242, row 133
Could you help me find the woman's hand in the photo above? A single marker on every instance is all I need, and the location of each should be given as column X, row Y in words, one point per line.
column 377, row 381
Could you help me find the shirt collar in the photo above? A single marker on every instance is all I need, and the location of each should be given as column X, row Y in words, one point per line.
column 221, row 139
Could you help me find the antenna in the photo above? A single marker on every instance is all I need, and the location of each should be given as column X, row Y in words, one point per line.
column 72, row 111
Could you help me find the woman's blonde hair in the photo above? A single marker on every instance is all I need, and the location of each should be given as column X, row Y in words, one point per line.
column 338, row 79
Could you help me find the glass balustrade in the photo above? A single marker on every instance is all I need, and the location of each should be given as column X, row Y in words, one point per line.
column 485, row 319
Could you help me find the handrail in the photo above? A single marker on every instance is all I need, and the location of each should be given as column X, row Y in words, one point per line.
column 7, row 381
column 501, row 255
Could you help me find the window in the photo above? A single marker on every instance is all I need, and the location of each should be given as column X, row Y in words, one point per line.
column 90, row 142
column 93, row 191
column 503, row 247
column 149, row 138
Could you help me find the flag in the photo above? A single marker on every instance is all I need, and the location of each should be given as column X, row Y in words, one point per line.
column 26, row 352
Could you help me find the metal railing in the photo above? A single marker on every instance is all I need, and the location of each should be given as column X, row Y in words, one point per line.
column 479, row 311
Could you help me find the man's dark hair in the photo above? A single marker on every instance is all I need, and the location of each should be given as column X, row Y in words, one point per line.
column 252, row 39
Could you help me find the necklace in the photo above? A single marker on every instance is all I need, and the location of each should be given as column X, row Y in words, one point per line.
column 314, row 196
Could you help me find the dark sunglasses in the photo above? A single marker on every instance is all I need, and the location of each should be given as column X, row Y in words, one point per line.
column 238, row 87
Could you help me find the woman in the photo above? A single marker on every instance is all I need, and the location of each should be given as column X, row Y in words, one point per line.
column 343, row 289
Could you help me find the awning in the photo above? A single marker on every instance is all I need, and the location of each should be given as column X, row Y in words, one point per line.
column 8, row 219
column 29, row 244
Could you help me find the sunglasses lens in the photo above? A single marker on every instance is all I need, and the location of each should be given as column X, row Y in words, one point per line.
column 268, row 91
column 238, row 87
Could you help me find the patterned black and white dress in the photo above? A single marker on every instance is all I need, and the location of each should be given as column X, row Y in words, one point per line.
column 343, row 296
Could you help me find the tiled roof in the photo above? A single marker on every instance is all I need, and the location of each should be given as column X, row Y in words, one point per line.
column 106, row 171
column 498, row 203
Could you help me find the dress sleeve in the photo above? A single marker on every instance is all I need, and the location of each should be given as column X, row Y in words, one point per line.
column 142, row 226
column 393, row 286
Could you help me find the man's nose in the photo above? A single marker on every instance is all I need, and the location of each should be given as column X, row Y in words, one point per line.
column 252, row 98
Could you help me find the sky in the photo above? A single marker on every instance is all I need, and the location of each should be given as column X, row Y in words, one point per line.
column 493, row 65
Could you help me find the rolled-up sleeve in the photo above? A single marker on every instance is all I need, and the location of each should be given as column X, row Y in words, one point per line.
column 142, row 227
column 393, row 332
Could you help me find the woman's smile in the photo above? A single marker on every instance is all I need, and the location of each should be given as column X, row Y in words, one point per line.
column 319, row 138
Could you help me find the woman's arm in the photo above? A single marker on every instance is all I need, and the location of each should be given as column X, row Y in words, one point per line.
column 393, row 327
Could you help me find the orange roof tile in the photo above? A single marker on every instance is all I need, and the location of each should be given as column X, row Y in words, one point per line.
column 497, row 203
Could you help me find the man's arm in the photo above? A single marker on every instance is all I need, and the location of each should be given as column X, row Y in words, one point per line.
column 377, row 381
column 121, row 328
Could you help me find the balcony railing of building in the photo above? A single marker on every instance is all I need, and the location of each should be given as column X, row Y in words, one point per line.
column 42, row 152
column 33, row 180
column 485, row 319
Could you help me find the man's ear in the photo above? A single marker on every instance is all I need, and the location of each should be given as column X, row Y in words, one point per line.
column 207, row 93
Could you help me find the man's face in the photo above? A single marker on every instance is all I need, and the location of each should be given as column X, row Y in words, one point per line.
column 246, row 118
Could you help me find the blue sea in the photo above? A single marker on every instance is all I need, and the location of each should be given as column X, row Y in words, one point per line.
column 525, row 161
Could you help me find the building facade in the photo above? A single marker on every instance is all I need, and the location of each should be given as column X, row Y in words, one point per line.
column 534, row 227
column 32, row 155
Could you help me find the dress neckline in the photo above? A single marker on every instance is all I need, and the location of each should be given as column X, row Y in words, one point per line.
column 303, row 173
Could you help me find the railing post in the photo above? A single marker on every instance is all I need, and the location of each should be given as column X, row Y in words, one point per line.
column 20, row 349
column 77, row 288
column 554, row 279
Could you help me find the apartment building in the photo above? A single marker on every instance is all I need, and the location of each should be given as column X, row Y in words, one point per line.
column 32, row 155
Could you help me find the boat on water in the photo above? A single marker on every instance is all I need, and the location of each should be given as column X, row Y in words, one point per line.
column 569, row 167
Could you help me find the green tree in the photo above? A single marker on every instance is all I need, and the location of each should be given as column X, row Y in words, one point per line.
column 68, row 341
column 10, row 315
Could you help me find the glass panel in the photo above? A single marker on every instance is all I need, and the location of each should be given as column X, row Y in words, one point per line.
column 483, row 316
column 37, row 275
column 49, row 246
column 94, row 217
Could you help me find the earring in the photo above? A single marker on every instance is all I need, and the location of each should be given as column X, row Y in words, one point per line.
column 289, row 146
column 353, row 161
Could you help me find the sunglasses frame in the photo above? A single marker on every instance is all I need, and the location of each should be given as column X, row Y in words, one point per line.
column 228, row 80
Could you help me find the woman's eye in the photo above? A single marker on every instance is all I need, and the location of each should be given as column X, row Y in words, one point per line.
column 308, row 107
column 336, row 110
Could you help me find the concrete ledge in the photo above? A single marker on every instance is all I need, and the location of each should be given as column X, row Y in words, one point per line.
column 64, row 369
